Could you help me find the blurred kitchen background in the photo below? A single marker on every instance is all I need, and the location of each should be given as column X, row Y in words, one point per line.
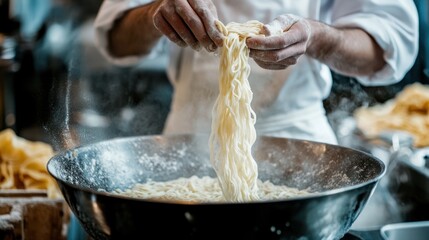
column 56, row 87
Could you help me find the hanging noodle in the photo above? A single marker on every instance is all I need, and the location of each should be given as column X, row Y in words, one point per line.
column 233, row 132
column 232, row 136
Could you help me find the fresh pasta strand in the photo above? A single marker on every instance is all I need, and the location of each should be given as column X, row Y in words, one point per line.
column 202, row 190
column 233, row 132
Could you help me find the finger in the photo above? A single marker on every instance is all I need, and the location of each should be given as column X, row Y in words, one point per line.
column 276, row 42
column 276, row 56
column 270, row 66
column 208, row 15
column 194, row 23
column 280, row 24
column 289, row 61
column 272, row 29
column 279, row 65
column 164, row 27
column 181, row 29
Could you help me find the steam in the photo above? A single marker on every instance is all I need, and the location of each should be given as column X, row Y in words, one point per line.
column 60, row 128
column 91, row 105
column 66, row 133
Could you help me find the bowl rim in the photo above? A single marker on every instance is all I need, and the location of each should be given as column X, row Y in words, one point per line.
column 314, row 195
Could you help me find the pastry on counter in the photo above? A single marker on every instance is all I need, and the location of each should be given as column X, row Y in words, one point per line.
column 23, row 164
column 407, row 112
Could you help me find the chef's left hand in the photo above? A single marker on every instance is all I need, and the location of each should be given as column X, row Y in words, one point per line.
column 286, row 39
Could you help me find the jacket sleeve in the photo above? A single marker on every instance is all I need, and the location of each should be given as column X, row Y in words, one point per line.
column 392, row 24
column 109, row 12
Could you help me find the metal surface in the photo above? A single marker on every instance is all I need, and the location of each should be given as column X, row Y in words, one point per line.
column 402, row 195
column 342, row 180
column 410, row 230
column 408, row 183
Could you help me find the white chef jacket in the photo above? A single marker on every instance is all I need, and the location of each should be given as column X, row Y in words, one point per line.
column 288, row 103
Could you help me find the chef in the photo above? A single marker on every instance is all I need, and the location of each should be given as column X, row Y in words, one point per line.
column 374, row 41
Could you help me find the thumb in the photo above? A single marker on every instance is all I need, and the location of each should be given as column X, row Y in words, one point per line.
column 279, row 25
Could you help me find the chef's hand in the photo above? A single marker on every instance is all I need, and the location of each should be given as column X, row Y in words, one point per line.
column 286, row 39
column 188, row 23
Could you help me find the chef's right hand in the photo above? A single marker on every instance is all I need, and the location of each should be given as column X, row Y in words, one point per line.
column 188, row 23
